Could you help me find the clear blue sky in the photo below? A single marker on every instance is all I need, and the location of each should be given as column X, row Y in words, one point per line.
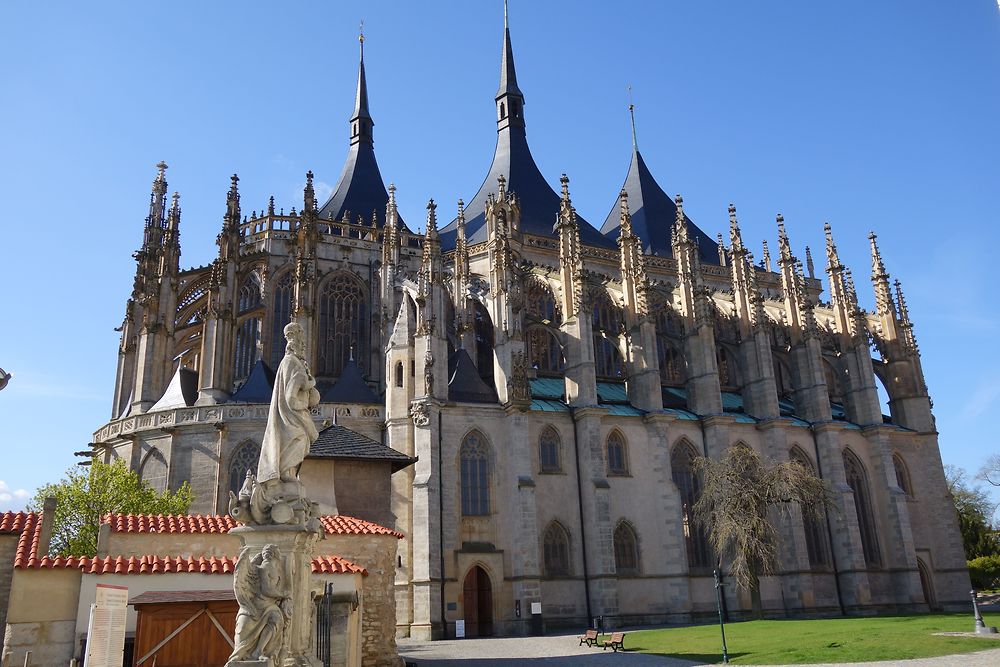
column 881, row 116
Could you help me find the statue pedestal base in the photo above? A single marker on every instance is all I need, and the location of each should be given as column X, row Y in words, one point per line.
column 295, row 545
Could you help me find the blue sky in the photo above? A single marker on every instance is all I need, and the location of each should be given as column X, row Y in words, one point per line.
column 881, row 116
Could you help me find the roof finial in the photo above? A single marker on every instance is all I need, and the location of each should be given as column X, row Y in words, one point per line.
column 504, row 13
column 361, row 39
column 631, row 113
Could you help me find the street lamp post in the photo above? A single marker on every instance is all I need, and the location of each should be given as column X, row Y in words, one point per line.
column 718, row 603
column 981, row 628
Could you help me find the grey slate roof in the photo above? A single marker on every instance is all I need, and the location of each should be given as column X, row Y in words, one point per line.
column 360, row 189
column 512, row 160
column 350, row 387
column 339, row 442
column 653, row 215
column 258, row 387
column 464, row 383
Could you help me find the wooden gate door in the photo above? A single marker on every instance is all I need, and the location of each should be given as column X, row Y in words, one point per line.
column 205, row 640
column 477, row 603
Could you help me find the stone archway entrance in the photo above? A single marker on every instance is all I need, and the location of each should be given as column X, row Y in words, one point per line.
column 477, row 603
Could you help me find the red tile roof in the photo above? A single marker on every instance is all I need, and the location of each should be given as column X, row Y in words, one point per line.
column 207, row 523
column 12, row 523
column 26, row 555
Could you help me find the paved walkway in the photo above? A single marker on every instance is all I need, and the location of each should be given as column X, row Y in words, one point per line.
column 564, row 651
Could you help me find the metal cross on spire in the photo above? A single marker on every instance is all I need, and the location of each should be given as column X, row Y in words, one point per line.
column 631, row 113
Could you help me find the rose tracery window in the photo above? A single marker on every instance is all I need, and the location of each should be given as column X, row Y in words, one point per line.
column 342, row 319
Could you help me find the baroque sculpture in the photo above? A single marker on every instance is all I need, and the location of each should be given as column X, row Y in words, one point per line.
column 272, row 578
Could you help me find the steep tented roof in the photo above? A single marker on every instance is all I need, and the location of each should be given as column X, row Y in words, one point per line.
column 350, row 387
column 512, row 160
column 360, row 191
column 258, row 387
column 653, row 215
column 339, row 442
column 182, row 391
column 464, row 383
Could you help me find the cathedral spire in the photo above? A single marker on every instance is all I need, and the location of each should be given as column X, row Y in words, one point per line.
column 156, row 220
column 361, row 120
column 509, row 98
column 880, row 280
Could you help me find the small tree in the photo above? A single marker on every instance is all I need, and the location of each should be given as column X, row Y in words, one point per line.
column 84, row 496
column 974, row 511
column 738, row 495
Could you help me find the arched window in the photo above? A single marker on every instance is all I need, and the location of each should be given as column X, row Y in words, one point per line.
column 544, row 351
column 902, row 474
column 483, row 330
column 607, row 323
column 281, row 315
column 668, row 320
column 617, row 452
column 475, row 475
column 549, row 447
column 153, row 470
column 626, row 549
column 689, row 486
column 671, row 362
column 857, row 479
column 555, row 551
column 727, row 369
column 248, row 332
column 399, row 373
column 782, row 378
column 814, row 528
column 244, row 458
column 832, row 382
column 342, row 320
column 540, row 304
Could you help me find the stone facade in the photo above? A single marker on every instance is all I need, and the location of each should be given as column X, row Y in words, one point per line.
column 554, row 384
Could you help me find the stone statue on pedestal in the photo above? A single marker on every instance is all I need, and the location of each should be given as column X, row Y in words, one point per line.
column 281, row 526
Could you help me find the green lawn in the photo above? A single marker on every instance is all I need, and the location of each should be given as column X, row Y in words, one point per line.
column 815, row 641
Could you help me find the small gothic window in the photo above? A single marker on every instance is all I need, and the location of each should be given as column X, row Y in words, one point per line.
column 244, row 458
column 814, row 528
column 399, row 373
column 281, row 315
column 832, row 382
column 483, row 330
column 671, row 362
column 782, row 379
column 727, row 368
column 544, row 351
column 503, row 111
column 153, row 470
column 902, row 474
column 249, row 296
column 475, row 475
column 548, row 451
column 247, row 348
column 555, row 551
column 541, row 304
column 689, row 486
column 857, row 479
column 617, row 454
column 342, row 319
column 626, row 549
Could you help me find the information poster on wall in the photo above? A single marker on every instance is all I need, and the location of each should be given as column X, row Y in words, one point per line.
column 460, row 629
column 106, row 630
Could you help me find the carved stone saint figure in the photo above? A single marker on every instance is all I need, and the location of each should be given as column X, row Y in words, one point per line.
column 264, row 606
column 290, row 429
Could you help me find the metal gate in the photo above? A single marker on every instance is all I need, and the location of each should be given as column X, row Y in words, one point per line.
column 324, row 625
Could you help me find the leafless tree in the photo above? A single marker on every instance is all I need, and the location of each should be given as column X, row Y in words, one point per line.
column 740, row 495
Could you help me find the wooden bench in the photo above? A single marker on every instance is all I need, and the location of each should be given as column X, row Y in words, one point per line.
column 590, row 638
column 616, row 642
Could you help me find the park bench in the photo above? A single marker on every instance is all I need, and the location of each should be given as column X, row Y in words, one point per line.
column 616, row 642
column 590, row 638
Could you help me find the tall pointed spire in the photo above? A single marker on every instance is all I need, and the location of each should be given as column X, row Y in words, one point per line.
column 361, row 120
column 509, row 98
column 880, row 281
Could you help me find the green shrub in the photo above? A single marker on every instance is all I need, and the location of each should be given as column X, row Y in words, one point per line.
column 985, row 572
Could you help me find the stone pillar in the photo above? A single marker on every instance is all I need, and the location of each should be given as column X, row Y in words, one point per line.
column 525, row 554
column 426, row 575
column 295, row 548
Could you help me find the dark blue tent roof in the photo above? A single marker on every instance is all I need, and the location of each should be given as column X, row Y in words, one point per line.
column 464, row 383
column 350, row 387
column 258, row 387
column 653, row 215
